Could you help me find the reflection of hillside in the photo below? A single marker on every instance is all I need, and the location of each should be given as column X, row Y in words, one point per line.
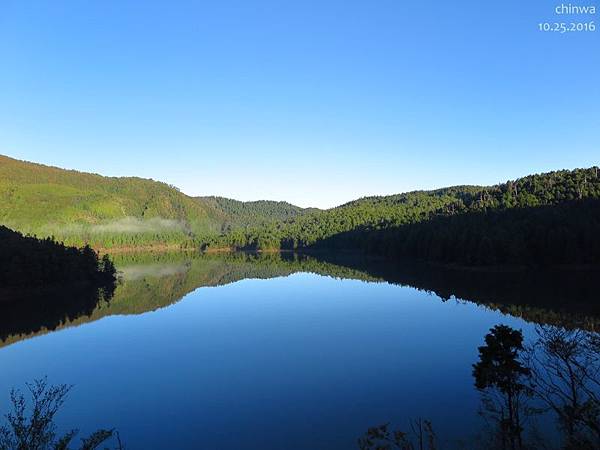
column 147, row 287
column 568, row 298
column 149, row 292
column 154, row 281
column 36, row 312
column 150, row 282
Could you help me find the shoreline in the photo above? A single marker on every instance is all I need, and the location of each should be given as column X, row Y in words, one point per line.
column 339, row 255
column 159, row 248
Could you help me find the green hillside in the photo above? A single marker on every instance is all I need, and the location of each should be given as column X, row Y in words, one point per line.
column 314, row 225
column 115, row 212
column 239, row 214
column 80, row 208
column 533, row 202
column 376, row 213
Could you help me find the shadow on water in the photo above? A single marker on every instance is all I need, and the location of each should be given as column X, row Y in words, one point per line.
column 23, row 313
column 151, row 281
column 564, row 297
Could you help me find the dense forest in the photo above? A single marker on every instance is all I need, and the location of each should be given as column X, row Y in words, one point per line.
column 567, row 233
column 550, row 218
column 26, row 261
column 241, row 215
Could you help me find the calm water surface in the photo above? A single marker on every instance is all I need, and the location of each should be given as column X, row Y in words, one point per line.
column 239, row 352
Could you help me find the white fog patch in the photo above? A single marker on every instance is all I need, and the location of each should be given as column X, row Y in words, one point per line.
column 136, row 272
column 126, row 225
column 135, row 225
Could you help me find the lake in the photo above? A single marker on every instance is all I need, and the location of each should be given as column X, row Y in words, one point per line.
column 279, row 351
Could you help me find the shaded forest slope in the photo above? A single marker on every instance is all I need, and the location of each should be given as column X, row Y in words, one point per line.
column 29, row 262
column 538, row 219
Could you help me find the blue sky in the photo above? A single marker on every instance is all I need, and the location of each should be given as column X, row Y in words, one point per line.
column 314, row 102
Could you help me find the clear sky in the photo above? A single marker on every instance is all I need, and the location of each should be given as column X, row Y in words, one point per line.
column 314, row 102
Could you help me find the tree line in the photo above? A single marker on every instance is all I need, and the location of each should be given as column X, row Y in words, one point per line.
column 88, row 209
column 28, row 261
column 551, row 218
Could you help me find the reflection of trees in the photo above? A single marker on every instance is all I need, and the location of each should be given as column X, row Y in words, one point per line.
column 30, row 312
column 560, row 297
column 32, row 427
column 155, row 280
column 558, row 374
column 150, row 282
column 421, row 437
column 566, row 367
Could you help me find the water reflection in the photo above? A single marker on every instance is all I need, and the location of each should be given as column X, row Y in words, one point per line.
column 293, row 362
column 27, row 313
column 556, row 376
column 566, row 298
column 153, row 281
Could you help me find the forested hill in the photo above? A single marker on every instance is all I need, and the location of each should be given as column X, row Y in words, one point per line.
column 406, row 220
column 239, row 214
column 375, row 213
column 27, row 262
column 79, row 208
column 107, row 212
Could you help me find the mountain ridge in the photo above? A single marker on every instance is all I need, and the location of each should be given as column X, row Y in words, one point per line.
column 108, row 212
